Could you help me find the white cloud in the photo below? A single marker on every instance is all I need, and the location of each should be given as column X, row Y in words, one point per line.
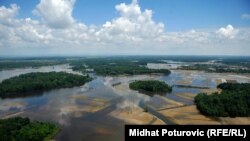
column 129, row 11
column 56, row 13
column 245, row 16
column 133, row 32
column 7, row 14
column 133, row 25
column 228, row 31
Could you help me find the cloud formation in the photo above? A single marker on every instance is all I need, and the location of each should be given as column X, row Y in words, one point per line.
column 56, row 13
column 133, row 32
column 133, row 25
column 228, row 31
column 7, row 14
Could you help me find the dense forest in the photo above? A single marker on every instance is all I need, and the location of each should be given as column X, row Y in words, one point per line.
column 233, row 101
column 22, row 129
column 25, row 83
column 111, row 66
column 129, row 69
column 153, row 86
column 234, row 87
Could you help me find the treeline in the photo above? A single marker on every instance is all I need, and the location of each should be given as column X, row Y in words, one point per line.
column 115, row 66
column 25, row 64
column 233, row 101
column 39, row 81
column 234, row 87
column 78, row 66
column 22, row 129
column 129, row 69
column 218, row 68
column 153, row 86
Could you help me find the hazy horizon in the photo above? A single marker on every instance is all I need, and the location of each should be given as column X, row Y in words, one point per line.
column 107, row 55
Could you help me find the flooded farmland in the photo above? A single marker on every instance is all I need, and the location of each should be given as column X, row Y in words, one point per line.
column 102, row 107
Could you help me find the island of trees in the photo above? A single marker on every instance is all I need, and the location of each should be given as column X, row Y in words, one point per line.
column 233, row 101
column 24, row 84
column 22, row 129
column 151, row 86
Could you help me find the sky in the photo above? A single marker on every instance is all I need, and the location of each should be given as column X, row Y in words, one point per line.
column 124, row 27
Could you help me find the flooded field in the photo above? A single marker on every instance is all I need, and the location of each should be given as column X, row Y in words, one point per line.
column 103, row 106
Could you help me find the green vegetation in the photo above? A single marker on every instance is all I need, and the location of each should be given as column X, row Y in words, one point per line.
column 79, row 67
column 25, row 83
column 115, row 66
column 137, row 64
column 134, row 64
column 22, row 129
column 153, row 86
column 239, row 87
column 218, row 68
column 220, row 62
column 234, row 100
column 130, row 69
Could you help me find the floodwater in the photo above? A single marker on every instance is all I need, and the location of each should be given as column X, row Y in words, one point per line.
column 83, row 112
column 74, row 109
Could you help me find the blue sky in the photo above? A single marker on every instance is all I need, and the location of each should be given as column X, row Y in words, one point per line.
column 175, row 14
column 188, row 27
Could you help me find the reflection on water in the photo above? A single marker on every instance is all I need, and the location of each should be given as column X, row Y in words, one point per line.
column 83, row 112
column 71, row 108
column 67, row 107
column 176, row 90
column 84, row 128
column 194, row 78
column 179, row 99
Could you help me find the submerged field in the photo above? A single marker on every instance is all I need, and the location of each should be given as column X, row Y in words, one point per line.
column 104, row 105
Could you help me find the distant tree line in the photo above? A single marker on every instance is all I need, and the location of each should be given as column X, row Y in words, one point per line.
column 116, row 67
column 233, row 101
column 218, row 68
column 22, row 129
column 24, row 64
column 127, row 69
column 39, row 81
